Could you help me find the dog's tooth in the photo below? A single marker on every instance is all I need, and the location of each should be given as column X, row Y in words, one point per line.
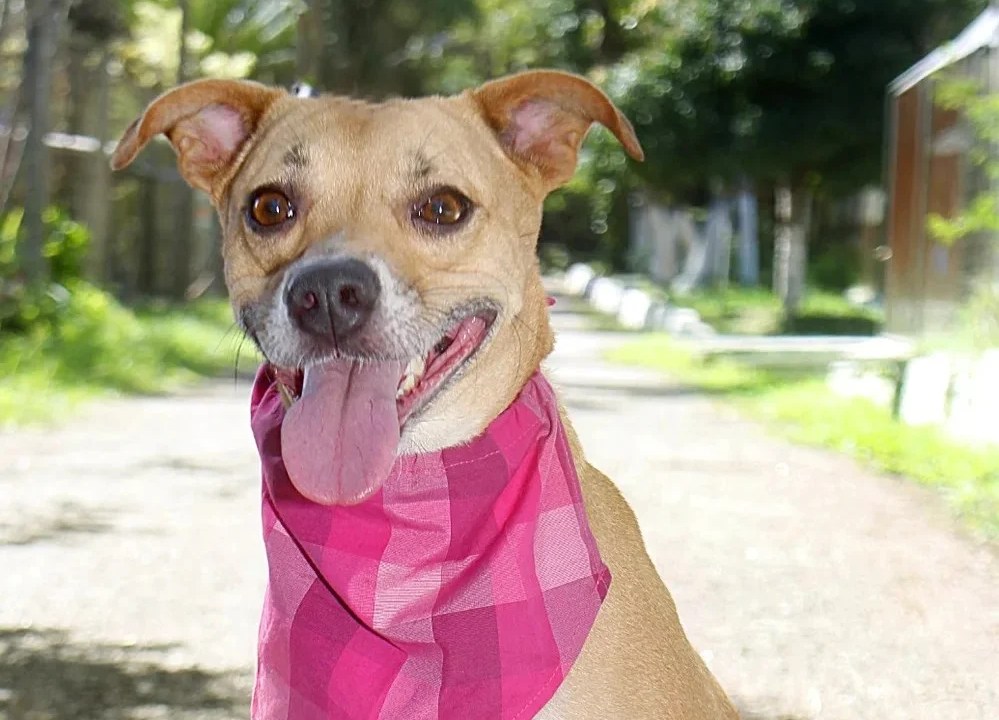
column 416, row 367
column 408, row 383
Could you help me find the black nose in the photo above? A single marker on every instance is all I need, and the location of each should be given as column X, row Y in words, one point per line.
column 333, row 299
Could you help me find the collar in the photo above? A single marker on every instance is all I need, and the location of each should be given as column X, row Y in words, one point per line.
column 465, row 587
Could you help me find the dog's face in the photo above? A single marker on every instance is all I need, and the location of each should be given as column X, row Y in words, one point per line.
column 382, row 255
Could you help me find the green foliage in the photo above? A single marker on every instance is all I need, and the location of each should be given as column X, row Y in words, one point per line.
column 98, row 346
column 757, row 311
column 833, row 265
column 804, row 409
column 64, row 248
column 979, row 320
column 772, row 89
column 67, row 340
column 981, row 111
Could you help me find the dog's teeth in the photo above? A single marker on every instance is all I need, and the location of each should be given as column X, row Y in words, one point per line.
column 413, row 375
column 408, row 383
column 416, row 367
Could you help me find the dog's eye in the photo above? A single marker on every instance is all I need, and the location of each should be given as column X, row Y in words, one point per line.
column 445, row 207
column 269, row 208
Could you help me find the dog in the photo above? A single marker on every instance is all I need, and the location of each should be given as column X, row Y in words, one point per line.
column 382, row 256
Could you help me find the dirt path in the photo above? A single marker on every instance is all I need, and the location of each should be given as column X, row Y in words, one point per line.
column 815, row 589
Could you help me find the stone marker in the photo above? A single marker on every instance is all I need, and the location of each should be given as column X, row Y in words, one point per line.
column 925, row 386
column 606, row 295
column 577, row 277
column 634, row 311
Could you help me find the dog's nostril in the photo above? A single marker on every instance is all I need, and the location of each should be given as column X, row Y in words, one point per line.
column 309, row 300
column 348, row 296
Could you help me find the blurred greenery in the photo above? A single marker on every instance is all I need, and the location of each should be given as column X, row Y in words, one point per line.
column 724, row 95
column 981, row 111
column 803, row 408
column 96, row 345
column 23, row 305
column 68, row 340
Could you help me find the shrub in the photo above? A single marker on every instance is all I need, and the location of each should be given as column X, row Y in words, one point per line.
column 65, row 247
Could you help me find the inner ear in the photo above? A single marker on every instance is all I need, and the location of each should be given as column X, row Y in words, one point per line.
column 542, row 133
column 207, row 122
column 541, row 118
column 207, row 141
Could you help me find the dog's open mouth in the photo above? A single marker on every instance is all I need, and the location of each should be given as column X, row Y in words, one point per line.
column 341, row 432
column 424, row 376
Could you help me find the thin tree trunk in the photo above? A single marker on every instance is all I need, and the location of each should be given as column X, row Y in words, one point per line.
column 182, row 241
column 43, row 26
column 145, row 274
column 793, row 217
column 749, row 244
column 11, row 143
column 97, row 208
column 309, row 47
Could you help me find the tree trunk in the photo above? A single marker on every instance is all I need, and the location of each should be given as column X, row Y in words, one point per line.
column 184, row 201
column 145, row 272
column 96, row 209
column 792, row 213
column 44, row 19
column 749, row 243
column 12, row 143
column 719, row 231
column 309, row 44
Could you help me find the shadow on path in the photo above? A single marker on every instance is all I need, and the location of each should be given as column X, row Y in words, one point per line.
column 747, row 715
column 61, row 522
column 45, row 674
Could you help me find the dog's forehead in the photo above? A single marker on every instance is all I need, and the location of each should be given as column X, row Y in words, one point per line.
column 337, row 141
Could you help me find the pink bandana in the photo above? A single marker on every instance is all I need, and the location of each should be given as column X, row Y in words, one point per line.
column 464, row 588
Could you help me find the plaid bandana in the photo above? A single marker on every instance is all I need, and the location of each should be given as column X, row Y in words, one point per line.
column 465, row 587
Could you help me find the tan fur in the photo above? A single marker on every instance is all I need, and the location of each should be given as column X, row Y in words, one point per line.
column 350, row 167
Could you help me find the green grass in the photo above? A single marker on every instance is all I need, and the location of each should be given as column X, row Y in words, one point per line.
column 757, row 311
column 803, row 409
column 100, row 347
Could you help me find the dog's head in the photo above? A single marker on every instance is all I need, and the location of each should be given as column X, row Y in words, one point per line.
column 383, row 255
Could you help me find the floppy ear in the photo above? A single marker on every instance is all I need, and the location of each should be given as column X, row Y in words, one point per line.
column 541, row 118
column 206, row 121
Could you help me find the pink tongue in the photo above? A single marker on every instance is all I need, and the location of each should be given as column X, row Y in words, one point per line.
column 339, row 440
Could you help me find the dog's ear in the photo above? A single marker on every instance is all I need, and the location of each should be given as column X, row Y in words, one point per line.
column 541, row 118
column 206, row 121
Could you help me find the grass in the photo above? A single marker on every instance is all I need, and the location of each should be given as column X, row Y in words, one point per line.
column 100, row 347
column 757, row 311
column 803, row 409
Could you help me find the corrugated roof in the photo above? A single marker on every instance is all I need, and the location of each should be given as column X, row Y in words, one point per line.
column 982, row 33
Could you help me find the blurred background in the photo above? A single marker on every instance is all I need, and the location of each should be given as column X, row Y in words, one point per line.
column 811, row 238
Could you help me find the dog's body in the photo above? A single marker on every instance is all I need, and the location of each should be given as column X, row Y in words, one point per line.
column 359, row 237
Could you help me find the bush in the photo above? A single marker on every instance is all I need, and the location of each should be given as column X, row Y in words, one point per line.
column 21, row 305
column 835, row 266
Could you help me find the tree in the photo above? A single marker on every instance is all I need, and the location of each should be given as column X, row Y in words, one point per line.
column 45, row 18
column 789, row 94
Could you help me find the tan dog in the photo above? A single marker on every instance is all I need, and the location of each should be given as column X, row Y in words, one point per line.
column 424, row 214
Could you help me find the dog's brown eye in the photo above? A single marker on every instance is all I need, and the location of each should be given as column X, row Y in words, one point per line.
column 269, row 208
column 444, row 207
